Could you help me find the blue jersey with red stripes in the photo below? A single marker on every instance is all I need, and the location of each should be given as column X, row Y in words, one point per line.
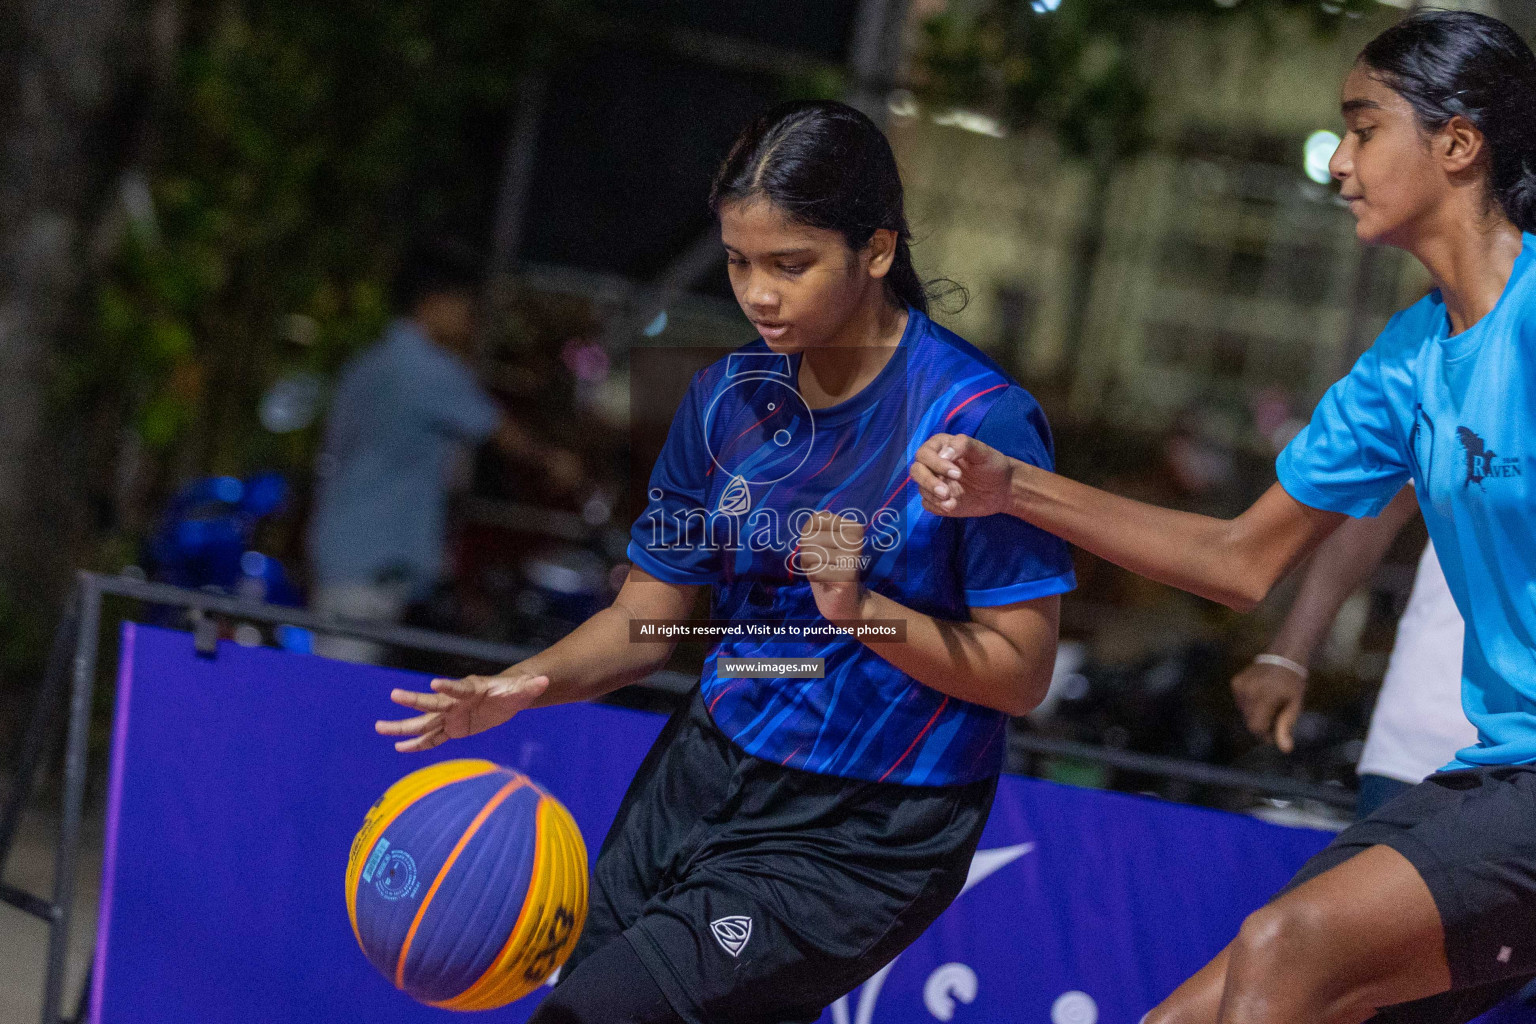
column 746, row 461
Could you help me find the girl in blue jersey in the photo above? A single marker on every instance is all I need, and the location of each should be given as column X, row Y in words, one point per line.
column 1427, row 908
column 790, row 833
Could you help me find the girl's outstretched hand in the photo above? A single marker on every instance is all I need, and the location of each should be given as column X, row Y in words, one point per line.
column 460, row 707
column 960, row 476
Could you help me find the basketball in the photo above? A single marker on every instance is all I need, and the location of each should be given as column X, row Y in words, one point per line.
column 467, row 885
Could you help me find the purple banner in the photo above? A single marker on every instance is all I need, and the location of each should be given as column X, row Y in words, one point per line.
column 1083, row 906
column 238, row 782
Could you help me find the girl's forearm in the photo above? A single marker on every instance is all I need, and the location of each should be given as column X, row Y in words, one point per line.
column 1234, row 562
column 594, row 659
column 968, row 660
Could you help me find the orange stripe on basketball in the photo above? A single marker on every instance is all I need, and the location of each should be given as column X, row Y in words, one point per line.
column 533, row 877
column 469, row 833
column 448, row 769
column 530, row 902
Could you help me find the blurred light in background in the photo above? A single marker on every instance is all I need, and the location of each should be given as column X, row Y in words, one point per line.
column 1318, row 151
column 1045, row 6
column 902, row 103
column 301, row 329
column 139, row 203
column 971, row 121
column 292, row 403
column 656, row 326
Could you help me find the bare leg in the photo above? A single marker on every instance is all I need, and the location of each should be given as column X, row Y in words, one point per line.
column 1362, row 935
column 1198, row 1000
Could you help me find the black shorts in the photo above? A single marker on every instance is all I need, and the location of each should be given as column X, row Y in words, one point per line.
column 1471, row 835
column 758, row 893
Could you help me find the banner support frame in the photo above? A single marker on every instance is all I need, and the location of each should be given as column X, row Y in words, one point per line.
column 77, row 640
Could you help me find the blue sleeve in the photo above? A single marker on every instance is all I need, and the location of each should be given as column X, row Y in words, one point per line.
column 670, row 539
column 1349, row 458
column 1005, row 559
column 445, row 394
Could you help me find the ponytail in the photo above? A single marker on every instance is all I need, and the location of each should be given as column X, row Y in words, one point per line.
column 902, row 281
column 1514, row 179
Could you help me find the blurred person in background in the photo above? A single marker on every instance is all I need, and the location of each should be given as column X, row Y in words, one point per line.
column 1418, row 724
column 403, row 410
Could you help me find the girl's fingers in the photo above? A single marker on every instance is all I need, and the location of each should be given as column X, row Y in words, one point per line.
column 939, row 508
column 955, row 448
column 924, row 477
column 1285, row 726
column 422, row 701
column 466, row 687
column 406, row 726
column 933, row 484
column 936, row 465
column 948, row 492
column 424, row 742
column 940, row 461
column 1261, row 717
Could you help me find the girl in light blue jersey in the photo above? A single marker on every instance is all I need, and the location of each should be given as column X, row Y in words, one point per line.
column 1426, row 910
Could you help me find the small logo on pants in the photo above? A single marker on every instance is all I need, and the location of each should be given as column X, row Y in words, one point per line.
column 732, row 933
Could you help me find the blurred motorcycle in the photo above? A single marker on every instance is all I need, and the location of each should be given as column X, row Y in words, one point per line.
column 205, row 541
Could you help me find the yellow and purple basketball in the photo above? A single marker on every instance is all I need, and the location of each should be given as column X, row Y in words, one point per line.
column 467, row 885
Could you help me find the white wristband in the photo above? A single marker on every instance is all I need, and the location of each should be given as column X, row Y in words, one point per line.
column 1283, row 662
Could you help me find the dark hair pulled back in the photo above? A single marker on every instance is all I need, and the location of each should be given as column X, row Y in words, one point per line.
column 826, row 165
column 1450, row 63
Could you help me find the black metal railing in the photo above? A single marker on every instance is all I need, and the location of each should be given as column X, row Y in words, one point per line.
column 72, row 670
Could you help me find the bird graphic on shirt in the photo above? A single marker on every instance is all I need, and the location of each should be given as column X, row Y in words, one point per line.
column 1479, row 456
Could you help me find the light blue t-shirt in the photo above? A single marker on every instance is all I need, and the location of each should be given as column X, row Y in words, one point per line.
column 399, row 411
column 1457, row 415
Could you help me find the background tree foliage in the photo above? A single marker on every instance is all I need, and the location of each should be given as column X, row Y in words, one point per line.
column 297, row 147
column 272, row 167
